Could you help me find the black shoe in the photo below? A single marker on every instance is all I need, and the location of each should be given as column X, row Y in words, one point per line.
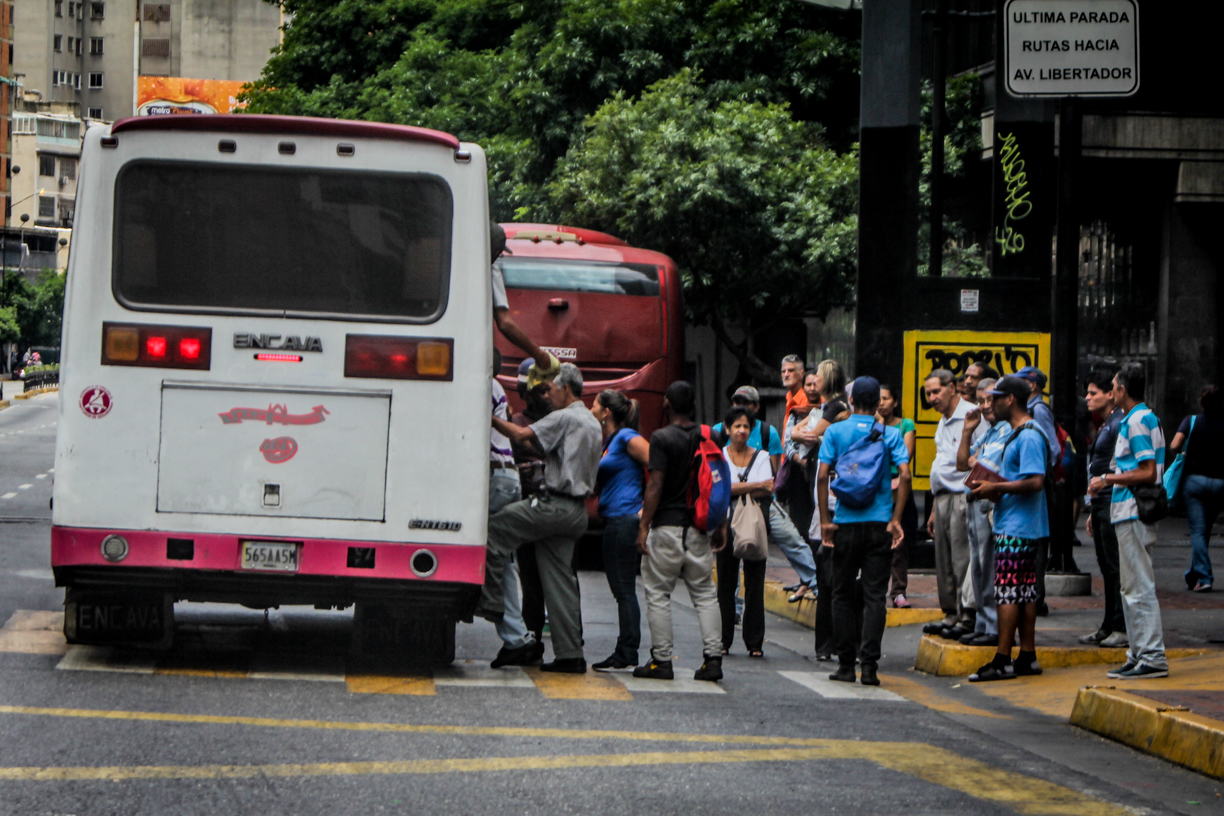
column 522, row 656
column 933, row 628
column 966, row 639
column 793, row 587
column 868, row 676
column 491, row 615
column 537, row 653
column 844, row 674
column 1026, row 664
column 566, row 665
column 1043, row 611
column 983, row 639
column 613, row 663
column 825, row 657
column 710, row 670
column 992, row 671
column 656, row 670
column 955, row 632
column 1096, row 637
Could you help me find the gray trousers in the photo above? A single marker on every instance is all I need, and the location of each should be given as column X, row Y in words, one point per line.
column 982, row 566
column 1140, row 608
column 951, row 553
column 674, row 553
column 554, row 524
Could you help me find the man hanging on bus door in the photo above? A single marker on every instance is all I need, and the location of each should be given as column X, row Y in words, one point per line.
column 547, row 365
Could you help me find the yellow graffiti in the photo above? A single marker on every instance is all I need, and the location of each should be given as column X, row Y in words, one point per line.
column 1017, row 201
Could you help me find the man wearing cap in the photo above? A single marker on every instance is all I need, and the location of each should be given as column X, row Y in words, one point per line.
column 1043, row 416
column 862, row 538
column 545, row 363
column 948, row 524
column 1020, row 522
column 782, row 530
column 571, row 440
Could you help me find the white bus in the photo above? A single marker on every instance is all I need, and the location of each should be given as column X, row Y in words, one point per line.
column 276, row 374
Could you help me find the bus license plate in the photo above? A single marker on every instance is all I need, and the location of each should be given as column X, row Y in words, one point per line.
column 270, row 555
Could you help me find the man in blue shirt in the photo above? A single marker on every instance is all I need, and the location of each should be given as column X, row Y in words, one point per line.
column 1112, row 632
column 1043, row 418
column 862, row 538
column 1020, row 524
column 1139, row 457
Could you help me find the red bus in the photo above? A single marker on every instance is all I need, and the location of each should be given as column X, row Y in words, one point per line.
column 591, row 299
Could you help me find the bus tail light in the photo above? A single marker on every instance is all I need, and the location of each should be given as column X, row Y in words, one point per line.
column 398, row 358
column 135, row 344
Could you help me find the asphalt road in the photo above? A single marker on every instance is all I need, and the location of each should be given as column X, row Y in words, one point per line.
column 271, row 715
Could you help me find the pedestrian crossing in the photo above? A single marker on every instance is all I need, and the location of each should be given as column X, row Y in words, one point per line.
column 39, row 632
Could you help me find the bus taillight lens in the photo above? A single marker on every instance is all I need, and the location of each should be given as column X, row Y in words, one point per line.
column 398, row 358
column 135, row 344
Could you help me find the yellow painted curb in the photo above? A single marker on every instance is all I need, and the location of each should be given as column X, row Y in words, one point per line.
column 946, row 658
column 1169, row 732
column 27, row 394
column 804, row 612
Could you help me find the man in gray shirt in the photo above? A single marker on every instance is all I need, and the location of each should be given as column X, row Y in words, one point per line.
column 571, row 441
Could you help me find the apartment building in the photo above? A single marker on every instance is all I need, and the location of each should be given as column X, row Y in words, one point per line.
column 47, row 138
column 208, row 39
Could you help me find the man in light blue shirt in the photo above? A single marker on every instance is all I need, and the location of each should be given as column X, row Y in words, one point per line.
column 1139, row 459
column 862, row 538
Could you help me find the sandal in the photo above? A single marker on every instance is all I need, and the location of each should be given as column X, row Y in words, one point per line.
column 756, row 653
column 991, row 672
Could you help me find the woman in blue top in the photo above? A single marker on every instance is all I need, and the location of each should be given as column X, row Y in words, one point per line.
column 619, row 485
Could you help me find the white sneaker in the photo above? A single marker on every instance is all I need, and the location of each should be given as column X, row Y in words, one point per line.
column 1117, row 640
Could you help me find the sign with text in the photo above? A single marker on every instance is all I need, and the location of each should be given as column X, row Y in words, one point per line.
column 1071, row 47
column 955, row 351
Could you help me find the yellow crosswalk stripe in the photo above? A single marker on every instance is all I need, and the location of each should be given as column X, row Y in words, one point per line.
column 589, row 686
column 418, row 684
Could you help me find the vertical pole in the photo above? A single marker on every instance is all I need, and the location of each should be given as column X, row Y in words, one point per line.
column 889, row 169
column 939, row 72
column 1065, row 340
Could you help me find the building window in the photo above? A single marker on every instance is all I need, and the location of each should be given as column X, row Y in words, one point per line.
column 46, row 165
column 59, row 8
column 68, row 168
column 72, row 9
column 76, row 81
column 59, row 42
column 96, row 45
column 97, row 10
column 155, row 47
column 157, row 12
column 79, row 42
column 95, row 113
column 46, row 206
column 95, row 79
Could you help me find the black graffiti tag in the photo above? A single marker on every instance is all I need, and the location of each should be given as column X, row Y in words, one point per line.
column 1005, row 359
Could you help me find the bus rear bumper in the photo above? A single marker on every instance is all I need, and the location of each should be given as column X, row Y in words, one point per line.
column 330, row 572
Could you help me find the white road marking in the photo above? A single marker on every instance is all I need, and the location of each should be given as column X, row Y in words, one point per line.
column 104, row 658
column 285, row 667
column 8, row 496
column 50, row 470
column 24, row 486
column 820, row 683
column 478, row 673
column 684, row 682
column 41, row 476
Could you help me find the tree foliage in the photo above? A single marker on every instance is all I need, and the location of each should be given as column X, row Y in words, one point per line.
column 758, row 213
column 32, row 314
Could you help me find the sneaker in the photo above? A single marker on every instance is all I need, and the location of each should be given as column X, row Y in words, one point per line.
column 900, row 602
column 1114, row 674
column 613, row 663
column 1095, row 638
column 656, row 670
column 710, row 670
column 1142, row 672
column 1116, row 640
column 1201, row 586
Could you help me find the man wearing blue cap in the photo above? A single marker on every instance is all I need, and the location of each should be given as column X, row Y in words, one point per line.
column 866, row 527
column 1043, row 418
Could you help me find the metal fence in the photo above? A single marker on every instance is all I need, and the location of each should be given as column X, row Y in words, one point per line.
column 41, row 379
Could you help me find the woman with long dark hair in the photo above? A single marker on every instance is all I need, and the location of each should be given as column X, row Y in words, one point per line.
column 751, row 475
column 619, row 484
column 1202, row 437
column 889, row 413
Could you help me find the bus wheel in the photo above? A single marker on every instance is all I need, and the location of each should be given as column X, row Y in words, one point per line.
column 386, row 632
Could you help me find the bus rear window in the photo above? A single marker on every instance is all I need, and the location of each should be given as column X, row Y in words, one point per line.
column 581, row 276
column 207, row 237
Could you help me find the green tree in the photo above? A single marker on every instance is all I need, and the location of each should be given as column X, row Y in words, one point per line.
column 35, row 310
column 757, row 212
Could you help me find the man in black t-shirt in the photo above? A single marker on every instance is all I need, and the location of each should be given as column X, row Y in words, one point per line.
column 671, row 547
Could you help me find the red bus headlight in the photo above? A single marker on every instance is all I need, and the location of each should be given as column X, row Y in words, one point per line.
column 399, row 358
column 135, row 344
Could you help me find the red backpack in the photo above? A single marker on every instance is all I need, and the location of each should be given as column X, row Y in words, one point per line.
column 709, row 485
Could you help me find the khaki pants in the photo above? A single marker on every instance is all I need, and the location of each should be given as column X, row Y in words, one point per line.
column 951, row 554
column 680, row 552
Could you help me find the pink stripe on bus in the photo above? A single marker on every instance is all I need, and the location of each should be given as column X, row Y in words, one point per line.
column 75, row 546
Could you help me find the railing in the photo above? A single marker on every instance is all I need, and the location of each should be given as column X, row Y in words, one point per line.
column 41, row 379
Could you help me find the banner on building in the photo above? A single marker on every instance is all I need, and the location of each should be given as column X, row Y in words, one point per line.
column 926, row 351
column 164, row 96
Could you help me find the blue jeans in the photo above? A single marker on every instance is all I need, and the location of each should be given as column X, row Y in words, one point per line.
column 1204, row 501
column 620, row 557
column 782, row 532
column 504, row 489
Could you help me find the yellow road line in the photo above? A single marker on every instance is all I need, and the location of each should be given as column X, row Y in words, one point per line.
column 419, row 684
column 589, row 686
column 922, row 694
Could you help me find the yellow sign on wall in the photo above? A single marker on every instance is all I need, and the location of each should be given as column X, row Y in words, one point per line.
column 926, row 351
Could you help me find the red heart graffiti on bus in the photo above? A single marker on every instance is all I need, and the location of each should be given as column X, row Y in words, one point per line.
column 280, row 449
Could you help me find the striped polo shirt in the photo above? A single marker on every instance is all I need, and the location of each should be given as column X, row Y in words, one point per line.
column 1139, row 440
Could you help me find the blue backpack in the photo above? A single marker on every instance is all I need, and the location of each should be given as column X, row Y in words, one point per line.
column 861, row 468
